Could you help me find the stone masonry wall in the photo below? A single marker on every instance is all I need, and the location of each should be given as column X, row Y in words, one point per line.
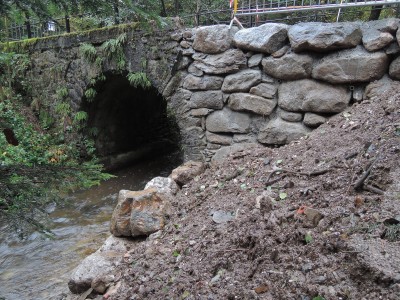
column 226, row 87
column 275, row 83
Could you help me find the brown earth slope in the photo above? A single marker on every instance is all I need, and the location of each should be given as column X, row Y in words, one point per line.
column 244, row 230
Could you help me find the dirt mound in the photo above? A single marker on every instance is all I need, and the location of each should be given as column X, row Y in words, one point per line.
column 316, row 218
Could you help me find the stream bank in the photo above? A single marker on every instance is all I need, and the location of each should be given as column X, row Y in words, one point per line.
column 38, row 267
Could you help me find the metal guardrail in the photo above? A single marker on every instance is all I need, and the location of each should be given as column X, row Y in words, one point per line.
column 244, row 12
column 260, row 7
column 35, row 29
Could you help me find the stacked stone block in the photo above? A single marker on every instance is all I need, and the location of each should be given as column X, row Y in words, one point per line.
column 274, row 83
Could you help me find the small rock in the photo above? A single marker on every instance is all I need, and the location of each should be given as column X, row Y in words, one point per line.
column 220, row 216
column 255, row 60
column 186, row 172
column 313, row 120
column 261, row 289
column 281, row 52
column 307, row 267
column 100, row 284
column 313, row 215
column 215, row 279
column 320, row 279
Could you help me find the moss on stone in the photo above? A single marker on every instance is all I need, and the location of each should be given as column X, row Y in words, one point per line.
column 25, row 46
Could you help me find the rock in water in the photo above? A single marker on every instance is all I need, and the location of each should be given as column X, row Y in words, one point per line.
column 99, row 264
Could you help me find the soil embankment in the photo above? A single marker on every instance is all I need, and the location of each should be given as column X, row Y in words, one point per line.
column 317, row 217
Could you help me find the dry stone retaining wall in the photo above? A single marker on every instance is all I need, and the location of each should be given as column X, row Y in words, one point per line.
column 227, row 87
column 275, row 83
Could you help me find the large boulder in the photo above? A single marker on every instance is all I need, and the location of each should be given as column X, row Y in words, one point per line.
column 378, row 34
column 226, row 120
column 98, row 264
column 280, row 132
column 241, row 81
column 266, row 38
column 251, row 103
column 376, row 89
column 229, row 61
column 291, row 66
column 312, row 96
column 207, row 99
column 203, row 83
column 186, row 172
column 350, row 66
column 163, row 185
column 139, row 213
column 383, row 25
column 394, row 69
column 214, row 39
column 323, row 37
column 374, row 40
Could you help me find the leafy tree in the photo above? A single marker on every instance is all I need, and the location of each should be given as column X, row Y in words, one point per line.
column 36, row 167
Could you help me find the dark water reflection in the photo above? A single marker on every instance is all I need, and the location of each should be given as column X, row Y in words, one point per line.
column 39, row 268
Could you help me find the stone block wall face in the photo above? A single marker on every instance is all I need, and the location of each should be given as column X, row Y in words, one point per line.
column 275, row 83
column 268, row 85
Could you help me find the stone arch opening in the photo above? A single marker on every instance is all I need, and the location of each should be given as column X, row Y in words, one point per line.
column 130, row 123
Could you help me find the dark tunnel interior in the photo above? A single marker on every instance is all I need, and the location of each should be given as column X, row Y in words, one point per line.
column 130, row 123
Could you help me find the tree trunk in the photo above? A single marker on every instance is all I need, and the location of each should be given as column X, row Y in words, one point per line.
column 198, row 10
column 176, row 7
column 375, row 12
column 116, row 12
column 28, row 25
column 67, row 24
column 163, row 12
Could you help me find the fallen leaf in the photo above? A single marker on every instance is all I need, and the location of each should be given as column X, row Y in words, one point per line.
column 185, row 294
column 282, row 196
column 308, row 238
column 301, row 210
column 261, row 289
column 358, row 201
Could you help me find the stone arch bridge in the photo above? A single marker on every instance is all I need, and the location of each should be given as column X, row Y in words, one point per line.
column 221, row 88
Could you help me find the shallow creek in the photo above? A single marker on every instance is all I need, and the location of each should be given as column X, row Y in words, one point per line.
column 38, row 267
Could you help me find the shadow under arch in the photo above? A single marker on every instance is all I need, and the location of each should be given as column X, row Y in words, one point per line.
column 130, row 123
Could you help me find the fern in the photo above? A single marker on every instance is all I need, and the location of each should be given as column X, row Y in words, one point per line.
column 63, row 108
column 89, row 52
column 93, row 131
column 90, row 94
column 114, row 50
column 139, row 80
column 80, row 117
column 62, row 93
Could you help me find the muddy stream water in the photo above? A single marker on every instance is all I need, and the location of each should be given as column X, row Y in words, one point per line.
column 39, row 267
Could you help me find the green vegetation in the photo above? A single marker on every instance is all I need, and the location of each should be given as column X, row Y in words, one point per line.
column 114, row 50
column 89, row 52
column 139, row 80
column 90, row 94
column 42, row 156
